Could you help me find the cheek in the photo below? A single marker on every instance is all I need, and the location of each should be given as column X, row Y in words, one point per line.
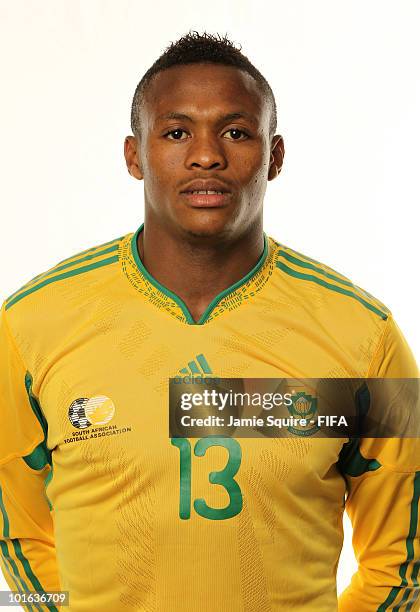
column 159, row 167
column 251, row 164
column 261, row 171
column 253, row 174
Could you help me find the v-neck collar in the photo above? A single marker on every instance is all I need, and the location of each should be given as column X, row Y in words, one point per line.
column 166, row 299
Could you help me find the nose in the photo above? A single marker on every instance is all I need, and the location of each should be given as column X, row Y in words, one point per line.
column 205, row 151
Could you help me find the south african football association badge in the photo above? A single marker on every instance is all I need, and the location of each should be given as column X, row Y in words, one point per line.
column 304, row 406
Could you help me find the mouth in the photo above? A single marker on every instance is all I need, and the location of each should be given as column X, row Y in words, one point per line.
column 206, row 198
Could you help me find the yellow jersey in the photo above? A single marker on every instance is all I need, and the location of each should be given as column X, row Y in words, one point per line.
column 90, row 481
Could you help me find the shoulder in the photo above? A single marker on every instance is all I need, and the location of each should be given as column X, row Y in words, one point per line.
column 45, row 313
column 335, row 291
column 78, row 268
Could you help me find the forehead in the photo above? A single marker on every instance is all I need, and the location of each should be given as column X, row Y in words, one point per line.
column 203, row 91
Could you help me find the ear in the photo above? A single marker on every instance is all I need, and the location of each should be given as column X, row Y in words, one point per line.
column 276, row 157
column 132, row 157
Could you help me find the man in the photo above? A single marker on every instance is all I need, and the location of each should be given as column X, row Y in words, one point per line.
column 97, row 500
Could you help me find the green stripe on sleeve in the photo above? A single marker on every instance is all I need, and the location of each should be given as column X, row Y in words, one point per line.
column 33, row 460
column 413, row 599
column 47, row 481
column 414, row 516
column 403, row 600
column 58, row 268
column 99, row 246
column 18, row 586
column 19, row 554
column 415, row 574
column 97, row 264
column 337, row 277
column 5, row 517
column 319, row 281
column 5, row 549
column 311, row 266
column 35, row 404
column 16, row 577
column 28, row 571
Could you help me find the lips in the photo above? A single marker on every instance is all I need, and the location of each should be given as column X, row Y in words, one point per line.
column 198, row 196
column 205, row 185
column 206, row 200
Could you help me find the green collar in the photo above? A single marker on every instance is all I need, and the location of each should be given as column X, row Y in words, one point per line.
column 175, row 298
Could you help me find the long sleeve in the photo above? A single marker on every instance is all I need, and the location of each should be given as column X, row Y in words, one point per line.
column 383, row 476
column 27, row 549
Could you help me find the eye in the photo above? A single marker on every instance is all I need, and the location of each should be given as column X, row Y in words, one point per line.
column 177, row 131
column 177, row 134
column 237, row 131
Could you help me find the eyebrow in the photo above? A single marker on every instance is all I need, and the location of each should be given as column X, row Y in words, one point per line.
column 223, row 119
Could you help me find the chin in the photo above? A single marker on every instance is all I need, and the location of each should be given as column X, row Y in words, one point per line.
column 210, row 224
column 207, row 225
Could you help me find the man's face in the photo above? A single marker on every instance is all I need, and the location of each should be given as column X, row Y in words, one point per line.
column 204, row 144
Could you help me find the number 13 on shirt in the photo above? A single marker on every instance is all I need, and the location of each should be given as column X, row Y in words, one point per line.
column 224, row 477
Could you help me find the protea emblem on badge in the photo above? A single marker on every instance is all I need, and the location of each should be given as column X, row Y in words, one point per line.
column 304, row 406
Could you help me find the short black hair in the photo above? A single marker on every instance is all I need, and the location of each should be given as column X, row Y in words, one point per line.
column 195, row 48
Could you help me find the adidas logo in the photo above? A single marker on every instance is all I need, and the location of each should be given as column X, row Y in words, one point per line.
column 195, row 365
column 198, row 370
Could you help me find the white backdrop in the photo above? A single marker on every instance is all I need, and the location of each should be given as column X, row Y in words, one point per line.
column 346, row 79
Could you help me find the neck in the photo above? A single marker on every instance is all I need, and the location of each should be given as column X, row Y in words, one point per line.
column 197, row 270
